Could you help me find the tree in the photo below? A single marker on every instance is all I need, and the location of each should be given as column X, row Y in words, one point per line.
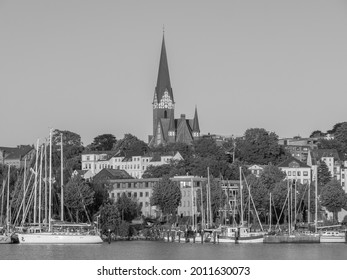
column 103, row 142
column 167, row 196
column 271, row 175
column 324, row 175
column 109, row 217
column 130, row 144
column 341, row 136
column 317, row 133
column 259, row 146
column 335, row 128
column 159, row 171
column 330, row 144
column 207, row 147
column 77, row 196
column 259, row 194
column 128, row 208
column 101, row 195
column 333, row 197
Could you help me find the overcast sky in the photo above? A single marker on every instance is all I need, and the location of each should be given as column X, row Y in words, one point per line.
column 91, row 66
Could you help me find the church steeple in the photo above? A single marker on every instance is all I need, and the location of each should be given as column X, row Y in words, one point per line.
column 196, row 127
column 163, row 81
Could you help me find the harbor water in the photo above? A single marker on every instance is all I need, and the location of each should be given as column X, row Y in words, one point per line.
column 159, row 250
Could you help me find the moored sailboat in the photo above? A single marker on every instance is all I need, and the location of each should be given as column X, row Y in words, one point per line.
column 58, row 233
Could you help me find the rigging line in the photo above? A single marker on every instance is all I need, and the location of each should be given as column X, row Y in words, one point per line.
column 284, row 204
column 302, row 198
column 256, row 212
column 273, row 205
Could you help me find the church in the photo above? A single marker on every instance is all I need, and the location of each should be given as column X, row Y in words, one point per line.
column 167, row 129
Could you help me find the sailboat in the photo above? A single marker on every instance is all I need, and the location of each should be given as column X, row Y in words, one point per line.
column 61, row 232
column 240, row 233
column 5, row 235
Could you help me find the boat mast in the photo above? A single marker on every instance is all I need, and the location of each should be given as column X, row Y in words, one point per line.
column 316, row 204
column 8, row 200
column 209, row 210
column 202, row 211
column 40, row 185
column 24, row 183
column 50, row 181
column 192, row 190
column 35, row 184
column 295, row 202
column 46, row 215
column 309, row 205
column 289, row 229
column 241, row 196
column 270, row 215
column 62, row 181
column 2, row 199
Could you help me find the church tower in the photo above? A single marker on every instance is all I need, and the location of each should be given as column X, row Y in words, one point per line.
column 163, row 101
column 167, row 129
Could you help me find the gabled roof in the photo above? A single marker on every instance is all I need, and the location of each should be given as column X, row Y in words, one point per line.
column 163, row 81
column 293, row 162
column 184, row 131
column 18, row 153
column 112, row 174
column 319, row 153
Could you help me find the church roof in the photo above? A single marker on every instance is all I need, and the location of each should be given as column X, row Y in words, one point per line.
column 196, row 127
column 184, row 131
column 163, row 81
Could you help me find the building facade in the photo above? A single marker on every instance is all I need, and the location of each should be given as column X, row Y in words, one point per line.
column 296, row 170
column 134, row 165
column 16, row 156
column 167, row 129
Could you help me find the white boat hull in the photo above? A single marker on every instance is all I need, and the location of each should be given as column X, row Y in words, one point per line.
column 5, row 239
column 57, row 238
column 332, row 239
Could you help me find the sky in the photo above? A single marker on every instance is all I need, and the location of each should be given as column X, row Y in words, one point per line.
column 90, row 67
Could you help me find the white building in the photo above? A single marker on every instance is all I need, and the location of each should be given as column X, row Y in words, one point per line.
column 256, row 169
column 135, row 165
column 296, row 170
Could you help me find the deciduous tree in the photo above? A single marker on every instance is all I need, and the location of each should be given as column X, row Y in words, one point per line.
column 167, row 196
column 333, row 197
column 128, row 207
column 78, row 195
column 103, row 142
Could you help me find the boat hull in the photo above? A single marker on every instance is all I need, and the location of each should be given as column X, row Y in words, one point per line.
column 42, row 238
column 5, row 239
column 292, row 239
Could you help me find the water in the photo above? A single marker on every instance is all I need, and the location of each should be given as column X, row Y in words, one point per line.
column 158, row 250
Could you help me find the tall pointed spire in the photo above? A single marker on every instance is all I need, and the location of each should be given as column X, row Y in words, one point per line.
column 196, row 127
column 163, row 81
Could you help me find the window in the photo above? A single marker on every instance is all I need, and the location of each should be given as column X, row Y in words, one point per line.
column 135, row 194
column 141, row 204
column 146, row 203
column 129, row 194
column 299, row 173
column 305, row 173
column 141, row 194
column 112, row 195
column 147, row 194
column 294, row 173
column 289, row 173
column 118, row 194
column 88, row 157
